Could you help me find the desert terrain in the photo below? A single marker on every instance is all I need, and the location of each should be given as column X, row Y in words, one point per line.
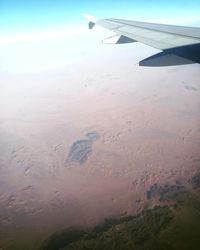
column 99, row 138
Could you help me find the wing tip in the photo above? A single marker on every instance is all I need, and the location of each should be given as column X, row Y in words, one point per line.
column 91, row 20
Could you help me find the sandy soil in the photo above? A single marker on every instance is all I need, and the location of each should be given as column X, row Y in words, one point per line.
column 148, row 126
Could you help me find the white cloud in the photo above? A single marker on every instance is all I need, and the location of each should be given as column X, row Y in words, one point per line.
column 37, row 36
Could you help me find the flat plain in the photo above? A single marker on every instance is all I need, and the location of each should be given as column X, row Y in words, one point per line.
column 101, row 138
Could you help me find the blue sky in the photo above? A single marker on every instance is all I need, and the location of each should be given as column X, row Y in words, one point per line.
column 32, row 15
column 38, row 35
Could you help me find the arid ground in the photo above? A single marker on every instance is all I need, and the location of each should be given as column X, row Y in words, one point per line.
column 100, row 138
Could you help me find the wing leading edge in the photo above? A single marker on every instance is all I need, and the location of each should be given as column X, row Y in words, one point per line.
column 160, row 36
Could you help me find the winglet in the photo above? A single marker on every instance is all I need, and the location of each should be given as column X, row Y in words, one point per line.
column 91, row 20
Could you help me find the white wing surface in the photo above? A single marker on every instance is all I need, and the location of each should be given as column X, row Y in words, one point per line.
column 173, row 40
column 160, row 36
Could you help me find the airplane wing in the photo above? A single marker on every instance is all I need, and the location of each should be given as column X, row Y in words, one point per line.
column 180, row 41
column 159, row 36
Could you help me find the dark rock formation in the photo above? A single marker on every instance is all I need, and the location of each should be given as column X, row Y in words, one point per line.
column 81, row 149
column 165, row 192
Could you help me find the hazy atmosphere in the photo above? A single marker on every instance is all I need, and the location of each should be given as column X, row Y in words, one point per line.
column 86, row 134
